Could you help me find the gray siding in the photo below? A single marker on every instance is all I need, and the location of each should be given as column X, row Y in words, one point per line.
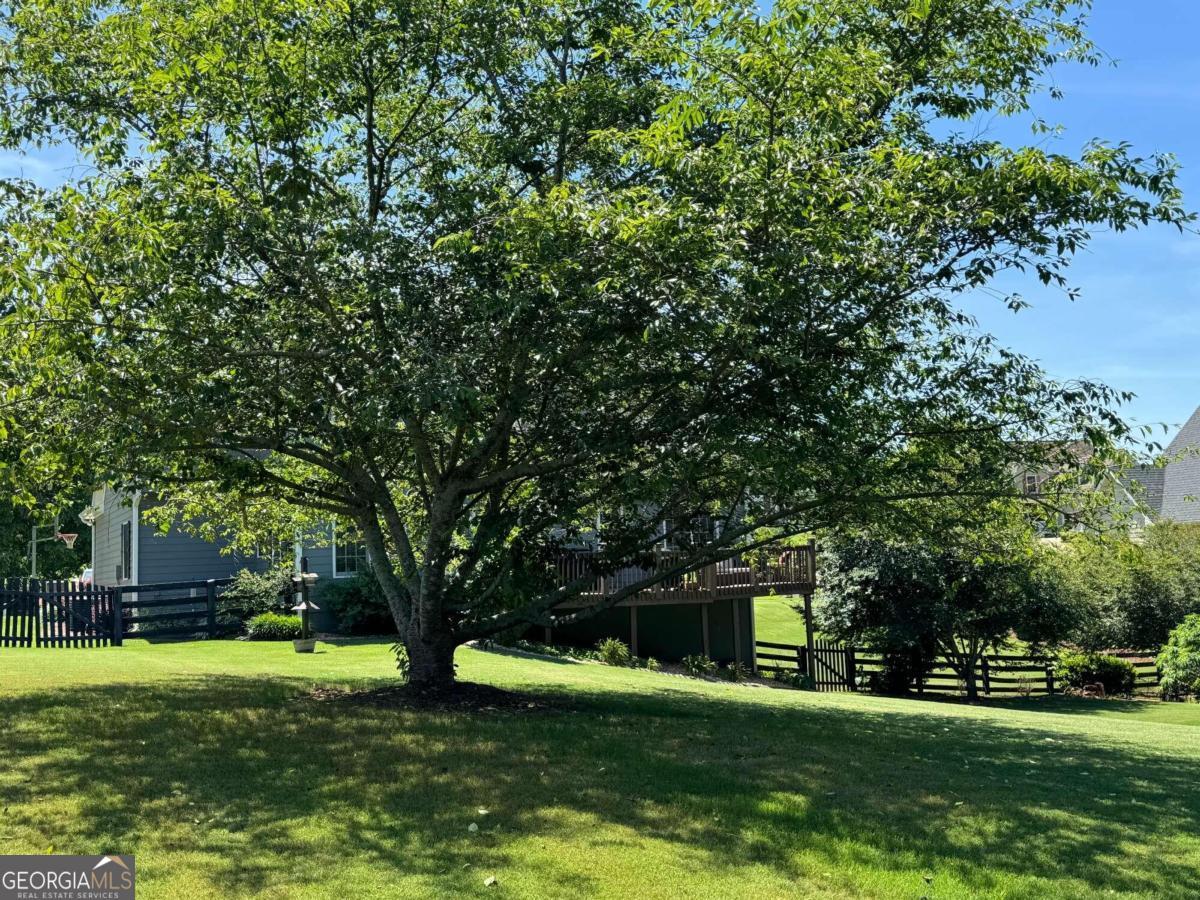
column 178, row 556
column 106, row 537
column 320, row 560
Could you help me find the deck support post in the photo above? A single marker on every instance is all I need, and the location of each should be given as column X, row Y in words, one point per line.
column 633, row 635
column 737, row 631
column 704, row 630
column 808, row 637
column 753, row 640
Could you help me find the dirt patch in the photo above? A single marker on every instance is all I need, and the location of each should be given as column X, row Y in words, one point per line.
column 464, row 696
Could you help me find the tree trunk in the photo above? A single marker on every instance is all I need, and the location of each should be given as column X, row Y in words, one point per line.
column 969, row 680
column 430, row 660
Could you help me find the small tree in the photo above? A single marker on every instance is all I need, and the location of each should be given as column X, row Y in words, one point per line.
column 915, row 602
column 1179, row 661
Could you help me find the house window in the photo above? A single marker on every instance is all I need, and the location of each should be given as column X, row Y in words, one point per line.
column 125, row 570
column 349, row 557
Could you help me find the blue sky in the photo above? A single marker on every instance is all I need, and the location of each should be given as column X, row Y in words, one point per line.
column 1137, row 324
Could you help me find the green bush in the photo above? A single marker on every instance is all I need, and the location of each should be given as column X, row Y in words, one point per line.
column 699, row 666
column 902, row 668
column 358, row 605
column 258, row 592
column 791, row 677
column 1179, row 661
column 734, row 672
column 1078, row 669
column 270, row 626
column 614, row 652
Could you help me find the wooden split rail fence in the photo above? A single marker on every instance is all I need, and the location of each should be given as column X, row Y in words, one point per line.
column 835, row 667
column 178, row 609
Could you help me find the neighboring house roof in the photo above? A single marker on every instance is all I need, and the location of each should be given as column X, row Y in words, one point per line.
column 1151, row 479
column 1181, row 479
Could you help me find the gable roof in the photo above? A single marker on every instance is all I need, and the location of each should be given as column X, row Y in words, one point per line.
column 1181, row 475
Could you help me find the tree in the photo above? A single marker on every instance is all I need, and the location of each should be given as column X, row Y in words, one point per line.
column 916, row 602
column 1179, row 661
column 55, row 559
column 483, row 280
column 1135, row 591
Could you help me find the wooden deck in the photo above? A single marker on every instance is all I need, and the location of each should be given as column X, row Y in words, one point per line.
column 790, row 571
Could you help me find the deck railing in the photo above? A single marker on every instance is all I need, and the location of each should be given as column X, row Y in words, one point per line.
column 789, row 571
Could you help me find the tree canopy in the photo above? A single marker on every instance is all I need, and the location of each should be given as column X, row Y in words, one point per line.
column 479, row 278
column 1135, row 591
column 917, row 602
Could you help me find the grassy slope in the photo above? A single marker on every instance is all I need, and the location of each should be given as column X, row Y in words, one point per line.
column 776, row 620
column 208, row 762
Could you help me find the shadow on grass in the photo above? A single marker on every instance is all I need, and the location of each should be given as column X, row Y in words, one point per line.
column 269, row 787
column 1150, row 709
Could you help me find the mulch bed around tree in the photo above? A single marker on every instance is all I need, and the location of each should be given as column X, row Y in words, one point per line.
column 464, row 696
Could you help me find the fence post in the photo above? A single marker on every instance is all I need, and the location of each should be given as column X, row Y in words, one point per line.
column 987, row 681
column 118, row 633
column 1050, row 680
column 851, row 667
column 808, row 638
column 210, row 596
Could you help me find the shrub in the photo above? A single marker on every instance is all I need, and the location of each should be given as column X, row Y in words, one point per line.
column 735, row 672
column 259, row 592
column 901, row 668
column 1078, row 669
column 652, row 664
column 1134, row 592
column 792, row 678
column 270, row 626
column 552, row 650
column 358, row 605
column 1179, row 661
column 699, row 666
column 614, row 652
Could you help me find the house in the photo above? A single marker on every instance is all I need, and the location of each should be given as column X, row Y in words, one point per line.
column 709, row 612
column 1165, row 492
column 127, row 550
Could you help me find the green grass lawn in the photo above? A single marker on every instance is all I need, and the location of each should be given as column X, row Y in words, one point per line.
column 776, row 620
column 210, row 763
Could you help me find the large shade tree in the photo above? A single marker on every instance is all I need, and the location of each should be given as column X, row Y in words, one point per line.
column 476, row 278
